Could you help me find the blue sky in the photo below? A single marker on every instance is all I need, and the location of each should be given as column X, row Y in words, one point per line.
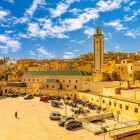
column 47, row 29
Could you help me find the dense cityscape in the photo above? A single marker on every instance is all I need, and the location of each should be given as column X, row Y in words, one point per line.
column 105, row 87
column 69, row 70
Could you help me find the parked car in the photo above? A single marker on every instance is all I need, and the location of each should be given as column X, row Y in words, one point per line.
column 23, row 94
column 70, row 124
column 63, row 120
column 28, row 96
column 9, row 94
column 55, row 115
column 44, row 98
column 55, row 103
column 13, row 95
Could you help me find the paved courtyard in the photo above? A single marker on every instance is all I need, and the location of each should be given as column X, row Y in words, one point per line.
column 33, row 122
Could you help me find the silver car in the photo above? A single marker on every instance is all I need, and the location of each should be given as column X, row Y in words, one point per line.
column 55, row 115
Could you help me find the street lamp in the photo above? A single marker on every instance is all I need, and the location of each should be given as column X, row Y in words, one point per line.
column 65, row 98
column 100, row 97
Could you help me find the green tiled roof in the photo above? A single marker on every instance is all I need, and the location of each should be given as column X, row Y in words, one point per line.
column 52, row 80
column 60, row 72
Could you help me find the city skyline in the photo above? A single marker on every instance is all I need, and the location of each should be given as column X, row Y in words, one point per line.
column 44, row 29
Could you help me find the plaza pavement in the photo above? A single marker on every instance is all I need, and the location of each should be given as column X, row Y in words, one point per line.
column 33, row 122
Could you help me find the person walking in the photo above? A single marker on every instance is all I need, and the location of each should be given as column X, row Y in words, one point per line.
column 16, row 114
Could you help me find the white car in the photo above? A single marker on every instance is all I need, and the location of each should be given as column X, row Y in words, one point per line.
column 28, row 96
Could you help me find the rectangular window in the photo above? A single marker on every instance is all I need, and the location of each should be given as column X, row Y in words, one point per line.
column 136, row 110
column 69, row 81
column 120, row 105
column 103, row 101
column 114, row 103
column 52, row 86
column 126, row 107
column 67, row 85
column 47, row 86
column 109, row 102
column 63, row 81
column 76, row 81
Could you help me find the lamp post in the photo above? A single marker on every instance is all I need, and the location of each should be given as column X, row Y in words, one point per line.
column 65, row 98
column 100, row 97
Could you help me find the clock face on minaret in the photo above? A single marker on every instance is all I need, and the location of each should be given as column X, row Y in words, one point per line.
column 98, row 49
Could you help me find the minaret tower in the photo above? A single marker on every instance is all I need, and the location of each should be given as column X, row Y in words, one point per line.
column 98, row 49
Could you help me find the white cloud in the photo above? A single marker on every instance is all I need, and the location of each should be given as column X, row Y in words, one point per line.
column 75, row 11
column 76, row 50
column 11, row 1
column 133, row 17
column 45, row 27
column 30, row 11
column 132, row 3
column 9, row 44
column 78, row 41
column 44, row 53
column 81, row 42
column 68, row 55
column 117, row 47
column 4, row 49
column 134, row 33
column 127, row 9
column 32, row 53
column 3, row 14
column 35, row 31
column 22, row 35
column 108, row 5
column 9, row 32
column 107, row 36
column 116, row 24
column 71, row 24
column 61, row 8
column 89, row 32
column 71, row 1
column 47, row 30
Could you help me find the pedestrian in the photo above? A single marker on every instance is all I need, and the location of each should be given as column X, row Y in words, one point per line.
column 16, row 114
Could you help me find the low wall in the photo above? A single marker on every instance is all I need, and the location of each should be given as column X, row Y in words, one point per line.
column 131, row 135
column 98, row 117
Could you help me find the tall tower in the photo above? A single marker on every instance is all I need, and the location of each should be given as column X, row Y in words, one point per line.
column 98, row 49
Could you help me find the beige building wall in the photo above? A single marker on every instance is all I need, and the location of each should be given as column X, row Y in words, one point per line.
column 128, row 70
column 131, row 94
column 111, row 91
column 97, row 87
column 66, row 82
column 46, row 66
column 14, row 78
column 86, row 67
column 120, row 106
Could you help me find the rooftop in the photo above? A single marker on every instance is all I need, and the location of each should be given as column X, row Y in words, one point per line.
column 60, row 72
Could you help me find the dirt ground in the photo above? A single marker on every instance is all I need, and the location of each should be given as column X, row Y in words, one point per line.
column 33, row 122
